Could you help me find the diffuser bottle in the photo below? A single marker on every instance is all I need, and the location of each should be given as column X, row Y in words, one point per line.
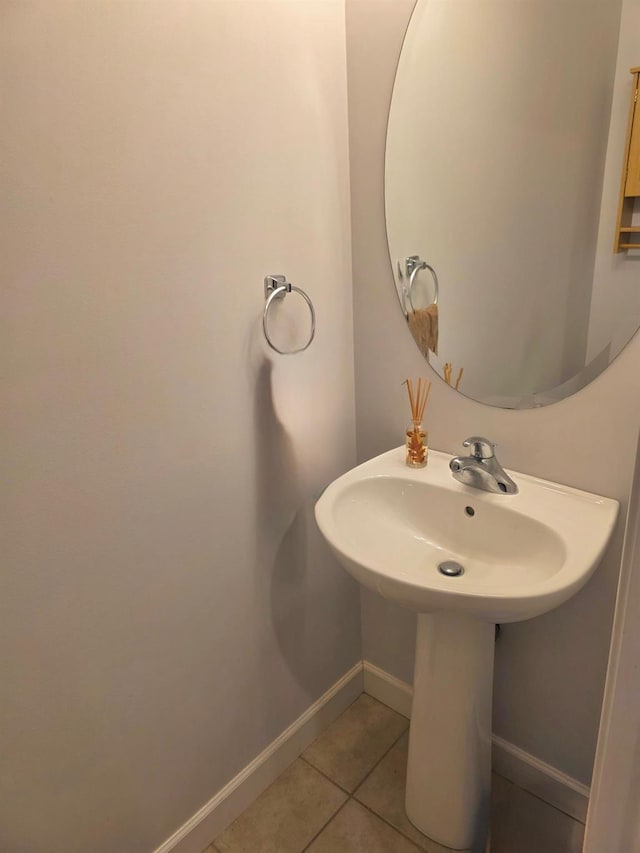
column 417, row 445
column 416, row 436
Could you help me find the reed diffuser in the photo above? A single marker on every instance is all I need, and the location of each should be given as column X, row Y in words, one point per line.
column 417, row 446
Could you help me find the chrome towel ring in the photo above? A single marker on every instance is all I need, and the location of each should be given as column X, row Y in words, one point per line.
column 277, row 287
column 413, row 265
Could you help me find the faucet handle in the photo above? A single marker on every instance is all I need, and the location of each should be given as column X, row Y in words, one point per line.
column 482, row 447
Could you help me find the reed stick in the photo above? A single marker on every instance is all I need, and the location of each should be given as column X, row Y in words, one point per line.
column 424, row 401
column 409, row 385
column 418, row 399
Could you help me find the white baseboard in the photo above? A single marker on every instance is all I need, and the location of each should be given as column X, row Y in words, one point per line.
column 525, row 770
column 242, row 790
column 387, row 689
column 539, row 778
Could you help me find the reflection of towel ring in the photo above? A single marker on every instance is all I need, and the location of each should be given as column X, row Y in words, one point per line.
column 276, row 287
column 413, row 266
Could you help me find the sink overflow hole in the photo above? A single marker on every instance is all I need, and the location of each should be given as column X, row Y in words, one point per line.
column 470, row 511
column 451, row 569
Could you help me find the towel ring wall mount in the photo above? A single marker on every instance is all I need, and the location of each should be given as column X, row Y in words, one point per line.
column 413, row 265
column 277, row 287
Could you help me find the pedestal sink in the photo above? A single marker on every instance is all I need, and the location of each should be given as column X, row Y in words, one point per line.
column 392, row 527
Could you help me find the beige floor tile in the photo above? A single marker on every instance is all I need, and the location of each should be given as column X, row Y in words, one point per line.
column 521, row 823
column 355, row 829
column 383, row 792
column 356, row 741
column 286, row 816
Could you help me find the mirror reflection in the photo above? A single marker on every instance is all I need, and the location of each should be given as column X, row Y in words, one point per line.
column 496, row 151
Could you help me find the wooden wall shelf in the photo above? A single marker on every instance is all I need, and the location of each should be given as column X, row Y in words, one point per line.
column 630, row 183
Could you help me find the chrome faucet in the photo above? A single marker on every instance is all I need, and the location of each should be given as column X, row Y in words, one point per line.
column 481, row 469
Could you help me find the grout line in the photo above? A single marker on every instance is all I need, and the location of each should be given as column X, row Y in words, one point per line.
column 399, row 831
column 369, row 772
column 382, row 757
column 382, row 818
column 328, row 778
column 351, row 794
column 325, row 825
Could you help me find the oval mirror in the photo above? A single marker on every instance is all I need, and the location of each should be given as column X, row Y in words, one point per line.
column 495, row 158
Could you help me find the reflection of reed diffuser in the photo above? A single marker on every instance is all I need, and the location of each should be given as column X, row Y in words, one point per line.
column 447, row 370
column 416, row 436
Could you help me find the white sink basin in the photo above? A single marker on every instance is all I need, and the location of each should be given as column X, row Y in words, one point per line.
column 391, row 526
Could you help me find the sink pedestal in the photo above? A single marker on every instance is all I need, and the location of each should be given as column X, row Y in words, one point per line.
column 449, row 767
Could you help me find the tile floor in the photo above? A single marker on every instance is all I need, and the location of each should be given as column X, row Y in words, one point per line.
column 345, row 794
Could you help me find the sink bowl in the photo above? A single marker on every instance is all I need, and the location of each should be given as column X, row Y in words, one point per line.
column 392, row 526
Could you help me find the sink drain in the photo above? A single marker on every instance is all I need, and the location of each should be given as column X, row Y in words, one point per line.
column 451, row 569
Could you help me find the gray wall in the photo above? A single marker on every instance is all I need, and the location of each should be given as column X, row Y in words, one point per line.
column 549, row 671
column 167, row 607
